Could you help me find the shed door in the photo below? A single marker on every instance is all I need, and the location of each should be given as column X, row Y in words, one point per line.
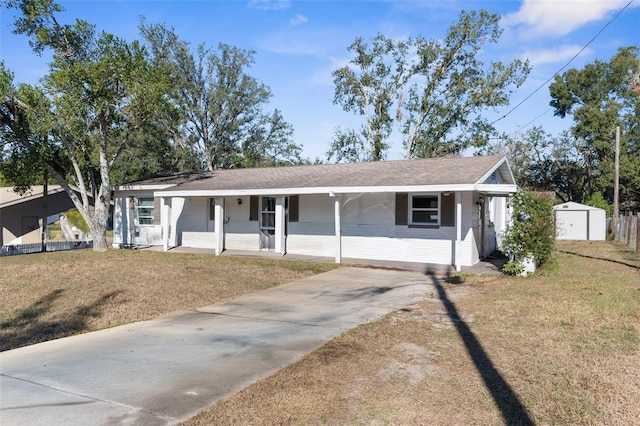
column 571, row 225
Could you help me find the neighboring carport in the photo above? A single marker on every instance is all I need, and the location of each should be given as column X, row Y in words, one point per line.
column 576, row 221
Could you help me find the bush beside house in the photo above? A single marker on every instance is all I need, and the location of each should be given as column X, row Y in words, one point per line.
column 530, row 237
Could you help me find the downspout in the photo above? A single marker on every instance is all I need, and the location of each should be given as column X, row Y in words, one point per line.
column 45, row 214
column 219, row 225
column 458, row 254
column 337, row 220
column 165, row 217
column 280, row 225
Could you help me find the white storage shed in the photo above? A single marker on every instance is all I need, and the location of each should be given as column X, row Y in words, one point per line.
column 575, row 221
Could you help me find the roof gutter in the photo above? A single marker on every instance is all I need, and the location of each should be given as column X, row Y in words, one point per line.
column 493, row 188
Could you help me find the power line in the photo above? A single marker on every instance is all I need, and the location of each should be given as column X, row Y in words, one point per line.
column 527, row 125
column 565, row 65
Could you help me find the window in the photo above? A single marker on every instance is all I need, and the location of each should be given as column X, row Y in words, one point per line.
column 424, row 210
column 146, row 207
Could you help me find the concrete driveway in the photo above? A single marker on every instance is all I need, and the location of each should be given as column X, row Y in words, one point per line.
column 165, row 370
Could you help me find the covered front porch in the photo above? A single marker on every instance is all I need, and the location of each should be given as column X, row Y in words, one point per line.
column 489, row 266
column 337, row 226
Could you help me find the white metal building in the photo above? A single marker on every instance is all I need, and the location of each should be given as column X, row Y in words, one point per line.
column 575, row 221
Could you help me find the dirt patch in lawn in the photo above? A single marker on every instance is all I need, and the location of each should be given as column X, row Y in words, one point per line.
column 52, row 295
column 560, row 347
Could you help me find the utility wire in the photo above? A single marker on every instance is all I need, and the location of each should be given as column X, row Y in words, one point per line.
column 565, row 65
column 519, row 129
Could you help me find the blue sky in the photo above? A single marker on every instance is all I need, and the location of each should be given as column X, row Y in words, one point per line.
column 299, row 43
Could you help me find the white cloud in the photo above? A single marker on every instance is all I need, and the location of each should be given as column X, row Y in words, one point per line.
column 560, row 17
column 292, row 44
column 299, row 19
column 553, row 55
column 270, row 4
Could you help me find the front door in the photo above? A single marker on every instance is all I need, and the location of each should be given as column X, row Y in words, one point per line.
column 268, row 223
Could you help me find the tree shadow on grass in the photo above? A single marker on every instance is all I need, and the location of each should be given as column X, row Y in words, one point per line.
column 630, row 265
column 506, row 400
column 28, row 326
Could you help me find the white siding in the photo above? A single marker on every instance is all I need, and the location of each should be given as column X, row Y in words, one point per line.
column 177, row 204
column 597, row 225
column 120, row 224
column 470, row 216
column 368, row 209
column 199, row 239
column 241, row 234
column 314, row 233
column 124, row 221
column 312, row 238
column 195, row 215
column 369, row 232
column 368, row 229
column 316, row 208
column 400, row 243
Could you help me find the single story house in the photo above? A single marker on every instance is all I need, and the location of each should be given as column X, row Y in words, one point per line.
column 21, row 215
column 575, row 221
column 446, row 211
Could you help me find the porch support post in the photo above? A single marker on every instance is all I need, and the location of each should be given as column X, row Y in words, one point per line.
column 280, row 246
column 337, row 220
column 218, row 211
column 165, row 219
column 458, row 247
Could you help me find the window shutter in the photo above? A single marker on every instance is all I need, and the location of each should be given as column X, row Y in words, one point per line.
column 156, row 211
column 212, row 209
column 253, row 207
column 294, row 203
column 448, row 209
column 402, row 206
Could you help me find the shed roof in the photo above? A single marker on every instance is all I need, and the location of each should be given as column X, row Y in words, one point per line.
column 574, row 206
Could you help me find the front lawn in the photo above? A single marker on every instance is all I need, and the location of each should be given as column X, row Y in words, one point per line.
column 52, row 295
column 558, row 348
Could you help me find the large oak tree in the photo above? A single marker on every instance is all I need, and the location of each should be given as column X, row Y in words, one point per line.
column 222, row 105
column 99, row 94
column 600, row 97
column 435, row 90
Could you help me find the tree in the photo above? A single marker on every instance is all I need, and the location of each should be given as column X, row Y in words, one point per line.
column 222, row 105
column 601, row 97
column 369, row 86
column 99, row 94
column 439, row 89
column 528, row 154
column 545, row 163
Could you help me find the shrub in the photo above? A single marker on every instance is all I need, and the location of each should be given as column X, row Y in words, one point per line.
column 512, row 268
column 597, row 200
column 75, row 219
column 532, row 229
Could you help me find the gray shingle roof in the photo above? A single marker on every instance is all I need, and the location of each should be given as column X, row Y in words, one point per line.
column 432, row 171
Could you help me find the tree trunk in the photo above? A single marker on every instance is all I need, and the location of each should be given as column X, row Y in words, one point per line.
column 98, row 223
